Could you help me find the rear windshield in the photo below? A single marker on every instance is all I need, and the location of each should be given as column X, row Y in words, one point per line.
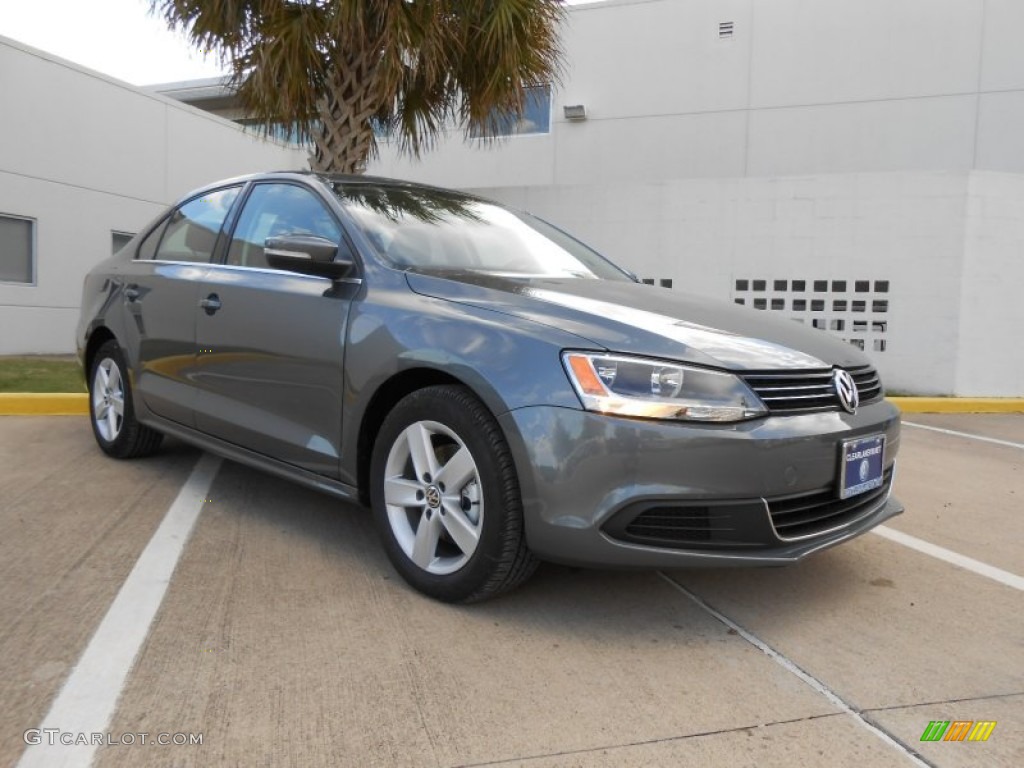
column 436, row 230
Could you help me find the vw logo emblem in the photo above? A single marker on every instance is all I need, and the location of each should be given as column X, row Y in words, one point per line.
column 433, row 497
column 846, row 388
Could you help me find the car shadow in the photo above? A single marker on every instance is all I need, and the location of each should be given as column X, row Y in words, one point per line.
column 558, row 599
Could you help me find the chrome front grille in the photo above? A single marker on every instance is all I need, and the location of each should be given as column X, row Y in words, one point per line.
column 804, row 391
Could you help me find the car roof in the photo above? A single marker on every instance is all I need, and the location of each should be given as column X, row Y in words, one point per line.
column 328, row 178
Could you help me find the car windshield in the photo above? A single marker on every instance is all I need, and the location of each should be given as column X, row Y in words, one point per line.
column 435, row 230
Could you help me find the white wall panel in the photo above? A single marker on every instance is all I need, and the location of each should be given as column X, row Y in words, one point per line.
column 677, row 146
column 1002, row 53
column 1001, row 131
column 64, row 124
column 37, row 330
column 528, row 159
column 201, row 149
column 906, row 134
column 658, row 58
column 990, row 358
column 825, row 51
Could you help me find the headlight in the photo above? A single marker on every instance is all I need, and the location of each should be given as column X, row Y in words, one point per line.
column 635, row 386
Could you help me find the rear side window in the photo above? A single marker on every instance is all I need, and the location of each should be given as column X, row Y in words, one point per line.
column 191, row 231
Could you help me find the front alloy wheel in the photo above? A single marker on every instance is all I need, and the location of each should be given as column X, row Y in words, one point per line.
column 446, row 497
column 432, row 493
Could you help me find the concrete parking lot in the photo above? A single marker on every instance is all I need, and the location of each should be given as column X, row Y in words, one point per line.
column 285, row 638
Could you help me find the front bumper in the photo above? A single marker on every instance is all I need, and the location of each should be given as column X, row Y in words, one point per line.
column 596, row 488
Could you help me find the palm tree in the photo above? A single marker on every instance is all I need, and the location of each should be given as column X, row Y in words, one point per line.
column 335, row 69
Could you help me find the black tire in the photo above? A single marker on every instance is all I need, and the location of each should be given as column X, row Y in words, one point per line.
column 452, row 418
column 118, row 435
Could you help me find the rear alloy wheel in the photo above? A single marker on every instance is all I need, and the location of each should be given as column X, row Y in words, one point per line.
column 446, row 497
column 114, row 425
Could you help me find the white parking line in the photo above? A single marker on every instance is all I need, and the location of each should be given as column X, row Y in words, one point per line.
column 88, row 699
column 968, row 435
column 949, row 556
column 793, row 669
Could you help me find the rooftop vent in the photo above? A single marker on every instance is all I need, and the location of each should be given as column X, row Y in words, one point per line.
column 725, row 29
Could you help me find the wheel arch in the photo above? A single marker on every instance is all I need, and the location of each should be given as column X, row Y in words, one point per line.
column 99, row 336
column 384, row 399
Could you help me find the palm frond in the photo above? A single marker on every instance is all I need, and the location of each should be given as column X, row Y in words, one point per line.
column 412, row 66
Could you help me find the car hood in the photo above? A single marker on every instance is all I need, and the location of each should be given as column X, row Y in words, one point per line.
column 629, row 317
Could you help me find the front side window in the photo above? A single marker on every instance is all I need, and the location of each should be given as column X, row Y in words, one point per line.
column 17, row 249
column 191, row 232
column 426, row 229
column 274, row 210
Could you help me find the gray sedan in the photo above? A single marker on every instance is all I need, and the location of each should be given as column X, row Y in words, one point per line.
column 496, row 391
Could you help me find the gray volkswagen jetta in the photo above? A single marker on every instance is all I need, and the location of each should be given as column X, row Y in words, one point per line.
column 496, row 391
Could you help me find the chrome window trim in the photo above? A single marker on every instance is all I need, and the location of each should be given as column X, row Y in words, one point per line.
column 257, row 270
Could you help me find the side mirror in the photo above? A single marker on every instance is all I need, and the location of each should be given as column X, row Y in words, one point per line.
column 307, row 255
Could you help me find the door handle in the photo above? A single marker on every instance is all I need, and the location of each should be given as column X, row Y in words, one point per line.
column 211, row 303
column 131, row 292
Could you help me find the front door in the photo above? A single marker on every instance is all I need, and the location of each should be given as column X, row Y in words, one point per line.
column 271, row 343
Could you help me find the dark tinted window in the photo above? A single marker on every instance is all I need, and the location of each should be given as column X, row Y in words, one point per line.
column 191, row 232
column 431, row 230
column 119, row 240
column 273, row 210
column 17, row 240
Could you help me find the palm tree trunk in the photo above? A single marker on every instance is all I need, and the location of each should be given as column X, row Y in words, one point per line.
column 345, row 140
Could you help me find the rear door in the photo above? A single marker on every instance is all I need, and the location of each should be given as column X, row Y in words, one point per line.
column 161, row 292
column 271, row 342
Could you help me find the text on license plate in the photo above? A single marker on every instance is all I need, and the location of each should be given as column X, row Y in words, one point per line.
column 861, row 465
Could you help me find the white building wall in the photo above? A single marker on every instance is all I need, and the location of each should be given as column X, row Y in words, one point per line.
column 991, row 310
column 83, row 154
column 826, row 139
column 823, row 86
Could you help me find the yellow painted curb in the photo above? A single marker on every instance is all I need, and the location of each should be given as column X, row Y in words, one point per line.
column 77, row 404
column 43, row 404
column 959, row 404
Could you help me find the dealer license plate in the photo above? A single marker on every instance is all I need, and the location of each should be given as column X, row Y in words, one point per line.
column 861, row 465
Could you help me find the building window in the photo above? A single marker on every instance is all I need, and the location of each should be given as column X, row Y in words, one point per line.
column 119, row 240
column 283, row 133
column 536, row 116
column 17, row 249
